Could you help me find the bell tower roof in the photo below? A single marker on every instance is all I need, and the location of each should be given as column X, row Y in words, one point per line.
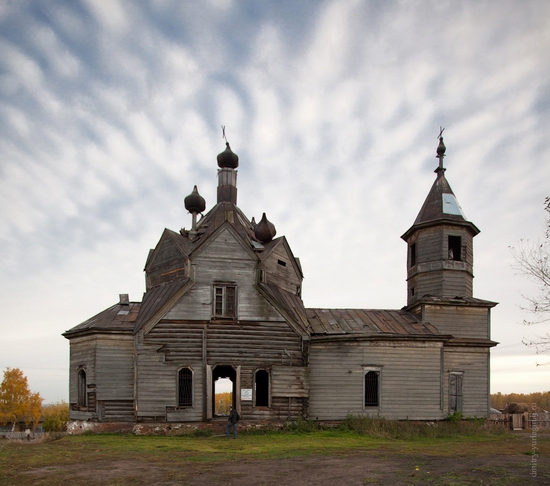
column 441, row 205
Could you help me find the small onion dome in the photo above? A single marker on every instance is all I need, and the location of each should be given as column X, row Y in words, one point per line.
column 228, row 159
column 441, row 148
column 195, row 203
column 265, row 230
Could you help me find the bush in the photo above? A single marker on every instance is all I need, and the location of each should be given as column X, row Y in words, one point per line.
column 56, row 416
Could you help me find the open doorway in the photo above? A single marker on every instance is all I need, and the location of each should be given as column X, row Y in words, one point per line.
column 223, row 393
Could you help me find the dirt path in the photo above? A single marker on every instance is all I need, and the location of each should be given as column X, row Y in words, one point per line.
column 354, row 469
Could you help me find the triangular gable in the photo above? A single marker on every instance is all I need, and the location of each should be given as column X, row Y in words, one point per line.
column 226, row 226
column 168, row 237
column 278, row 242
column 158, row 301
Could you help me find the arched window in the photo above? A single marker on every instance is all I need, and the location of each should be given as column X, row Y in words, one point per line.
column 185, row 387
column 81, row 384
column 372, row 388
column 261, row 386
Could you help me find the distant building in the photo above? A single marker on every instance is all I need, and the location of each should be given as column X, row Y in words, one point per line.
column 223, row 300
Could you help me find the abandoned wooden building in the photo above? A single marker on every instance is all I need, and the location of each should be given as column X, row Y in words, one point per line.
column 223, row 300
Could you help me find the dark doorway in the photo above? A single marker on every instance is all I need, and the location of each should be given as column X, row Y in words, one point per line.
column 261, row 383
column 220, row 375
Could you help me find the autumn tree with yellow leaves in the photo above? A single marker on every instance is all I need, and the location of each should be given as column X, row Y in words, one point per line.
column 17, row 403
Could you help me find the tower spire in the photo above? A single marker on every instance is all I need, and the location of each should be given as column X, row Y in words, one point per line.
column 440, row 151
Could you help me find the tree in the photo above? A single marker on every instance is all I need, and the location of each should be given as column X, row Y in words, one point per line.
column 56, row 416
column 17, row 403
column 533, row 261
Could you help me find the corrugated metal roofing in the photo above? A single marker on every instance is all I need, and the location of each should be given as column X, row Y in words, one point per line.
column 119, row 317
column 367, row 321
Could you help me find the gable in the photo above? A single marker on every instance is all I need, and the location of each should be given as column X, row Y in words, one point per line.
column 168, row 261
column 281, row 267
column 224, row 244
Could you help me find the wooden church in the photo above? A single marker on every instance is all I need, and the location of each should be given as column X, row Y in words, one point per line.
column 223, row 300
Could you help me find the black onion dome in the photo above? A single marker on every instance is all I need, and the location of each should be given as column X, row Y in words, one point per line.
column 265, row 230
column 195, row 203
column 441, row 148
column 228, row 159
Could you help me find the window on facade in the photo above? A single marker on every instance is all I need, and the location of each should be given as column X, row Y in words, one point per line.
column 261, row 386
column 372, row 388
column 81, row 384
column 412, row 255
column 185, row 388
column 225, row 301
column 455, row 248
column 455, row 392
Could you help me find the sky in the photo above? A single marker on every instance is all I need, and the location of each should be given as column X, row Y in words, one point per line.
column 111, row 111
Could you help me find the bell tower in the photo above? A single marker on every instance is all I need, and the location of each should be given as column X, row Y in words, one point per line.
column 440, row 255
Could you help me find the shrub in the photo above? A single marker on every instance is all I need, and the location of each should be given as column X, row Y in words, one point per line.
column 56, row 416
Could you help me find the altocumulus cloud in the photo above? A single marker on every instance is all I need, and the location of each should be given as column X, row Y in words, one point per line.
column 110, row 112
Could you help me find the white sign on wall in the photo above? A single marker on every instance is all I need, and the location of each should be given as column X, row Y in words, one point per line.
column 246, row 394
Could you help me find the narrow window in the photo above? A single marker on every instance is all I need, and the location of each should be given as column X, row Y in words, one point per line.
column 372, row 395
column 454, row 248
column 225, row 301
column 185, row 388
column 412, row 255
column 261, row 385
column 82, row 397
column 282, row 263
column 455, row 392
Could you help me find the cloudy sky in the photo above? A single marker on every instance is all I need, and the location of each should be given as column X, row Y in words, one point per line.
column 111, row 110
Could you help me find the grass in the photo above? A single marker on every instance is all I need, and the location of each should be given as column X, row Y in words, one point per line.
column 356, row 435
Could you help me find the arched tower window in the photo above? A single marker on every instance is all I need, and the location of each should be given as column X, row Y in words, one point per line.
column 81, row 384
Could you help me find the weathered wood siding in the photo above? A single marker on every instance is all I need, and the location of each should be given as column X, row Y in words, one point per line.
column 224, row 260
column 171, row 345
column 168, row 263
column 474, row 363
column 280, row 270
column 82, row 355
column 436, row 274
column 460, row 321
column 410, row 379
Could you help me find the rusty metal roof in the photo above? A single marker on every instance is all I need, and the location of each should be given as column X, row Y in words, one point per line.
column 119, row 317
column 367, row 322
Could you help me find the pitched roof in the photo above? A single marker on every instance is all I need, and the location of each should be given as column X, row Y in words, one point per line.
column 371, row 322
column 119, row 317
column 289, row 305
column 155, row 300
column 441, row 206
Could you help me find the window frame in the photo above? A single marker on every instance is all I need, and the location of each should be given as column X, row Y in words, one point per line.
column 228, row 299
column 378, row 372
column 454, row 248
column 456, row 385
column 191, row 381
column 82, row 388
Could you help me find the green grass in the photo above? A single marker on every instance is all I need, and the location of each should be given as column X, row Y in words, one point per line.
column 57, row 460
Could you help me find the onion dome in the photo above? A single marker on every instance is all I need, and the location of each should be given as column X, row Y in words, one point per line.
column 195, row 203
column 265, row 230
column 228, row 159
column 441, row 148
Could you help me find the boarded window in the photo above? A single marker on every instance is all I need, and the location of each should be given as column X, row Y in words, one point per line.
column 261, row 385
column 372, row 395
column 82, row 395
column 455, row 392
column 455, row 248
column 185, row 388
column 225, row 301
